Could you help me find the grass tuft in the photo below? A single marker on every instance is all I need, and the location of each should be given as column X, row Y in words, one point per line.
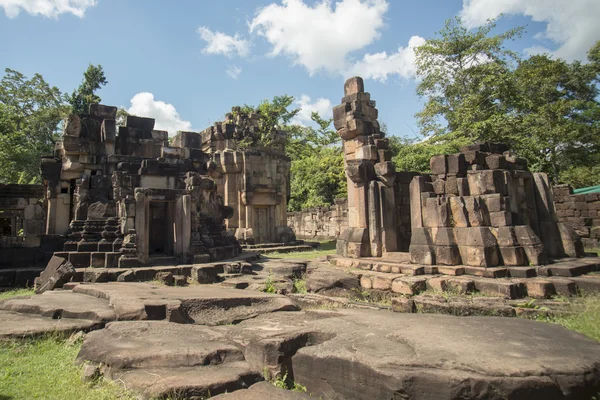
column 584, row 316
column 16, row 293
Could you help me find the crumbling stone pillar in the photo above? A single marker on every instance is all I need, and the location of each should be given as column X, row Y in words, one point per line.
column 367, row 159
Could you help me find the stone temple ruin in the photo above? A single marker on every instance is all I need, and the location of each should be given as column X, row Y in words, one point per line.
column 252, row 176
column 123, row 194
column 124, row 204
column 479, row 208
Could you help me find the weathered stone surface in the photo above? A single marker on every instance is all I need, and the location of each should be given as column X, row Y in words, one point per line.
column 404, row 353
column 263, row 391
column 62, row 304
column 15, row 325
column 58, row 272
column 324, row 278
column 198, row 304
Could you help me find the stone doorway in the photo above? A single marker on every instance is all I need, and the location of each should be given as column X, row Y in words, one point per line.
column 160, row 232
column 261, row 234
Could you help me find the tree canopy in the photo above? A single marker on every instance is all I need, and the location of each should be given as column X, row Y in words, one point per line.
column 85, row 94
column 476, row 89
column 31, row 111
column 317, row 170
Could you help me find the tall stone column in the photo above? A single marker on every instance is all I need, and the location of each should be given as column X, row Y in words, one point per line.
column 370, row 173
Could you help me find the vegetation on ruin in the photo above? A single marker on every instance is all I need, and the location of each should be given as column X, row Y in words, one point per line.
column 31, row 114
column 317, row 165
column 284, row 382
column 44, row 368
column 476, row 89
column 85, row 94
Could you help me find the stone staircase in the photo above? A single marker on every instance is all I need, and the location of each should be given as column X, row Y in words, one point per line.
column 565, row 277
column 289, row 247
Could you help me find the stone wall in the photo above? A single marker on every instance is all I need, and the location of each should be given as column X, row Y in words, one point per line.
column 320, row 223
column 21, row 215
column 580, row 211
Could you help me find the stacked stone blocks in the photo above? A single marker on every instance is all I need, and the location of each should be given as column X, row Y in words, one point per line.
column 483, row 208
column 580, row 211
column 371, row 175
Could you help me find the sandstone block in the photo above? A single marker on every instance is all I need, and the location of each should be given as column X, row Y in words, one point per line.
column 366, row 282
column 102, row 111
column 409, row 285
column 456, row 164
column 500, row 218
column 439, row 164
column 447, row 255
column 539, row 288
column 354, row 85
column 437, row 284
column 422, row 254
column 58, row 272
column 403, row 305
column 496, row 161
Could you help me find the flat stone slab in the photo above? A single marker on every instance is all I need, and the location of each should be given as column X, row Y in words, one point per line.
column 358, row 354
column 14, row 325
column 62, row 304
column 157, row 344
column 198, row 304
column 376, row 355
column 187, row 382
column 263, row 391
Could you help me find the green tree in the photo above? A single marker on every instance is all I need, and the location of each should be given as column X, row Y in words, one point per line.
column 30, row 113
column 558, row 115
column 466, row 79
column 273, row 116
column 317, row 165
column 85, row 94
column 476, row 89
column 317, row 168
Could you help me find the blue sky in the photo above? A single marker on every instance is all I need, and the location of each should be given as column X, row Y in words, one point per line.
column 186, row 62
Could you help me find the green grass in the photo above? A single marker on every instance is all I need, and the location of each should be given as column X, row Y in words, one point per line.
column 44, row 369
column 584, row 317
column 324, row 249
column 15, row 293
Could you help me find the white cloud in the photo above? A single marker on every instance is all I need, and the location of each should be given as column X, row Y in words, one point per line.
column 221, row 43
column 234, row 71
column 46, row 8
column 320, row 37
column 379, row 66
column 166, row 116
column 307, row 107
column 572, row 25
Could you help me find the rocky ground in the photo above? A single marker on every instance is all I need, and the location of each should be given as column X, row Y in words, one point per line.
column 330, row 328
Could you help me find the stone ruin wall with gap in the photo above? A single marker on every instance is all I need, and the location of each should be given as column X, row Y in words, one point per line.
column 580, row 211
column 320, row 223
column 326, row 223
column 481, row 207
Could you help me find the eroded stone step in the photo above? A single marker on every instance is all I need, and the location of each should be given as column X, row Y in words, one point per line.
column 284, row 249
column 16, row 325
column 263, row 391
column 537, row 288
column 198, row 304
column 187, row 382
column 62, row 305
column 154, row 344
